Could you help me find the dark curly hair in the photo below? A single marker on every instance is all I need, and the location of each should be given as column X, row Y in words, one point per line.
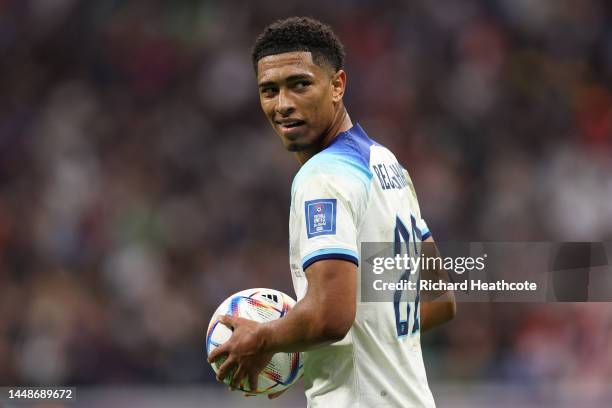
column 300, row 34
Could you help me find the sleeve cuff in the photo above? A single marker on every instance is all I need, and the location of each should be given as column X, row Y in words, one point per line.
column 330, row 253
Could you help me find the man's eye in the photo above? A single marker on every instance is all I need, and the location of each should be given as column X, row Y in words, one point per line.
column 301, row 84
column 267, row 92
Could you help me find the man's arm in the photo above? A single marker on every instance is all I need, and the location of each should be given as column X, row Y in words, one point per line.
column 436, row 307
column 315, row 320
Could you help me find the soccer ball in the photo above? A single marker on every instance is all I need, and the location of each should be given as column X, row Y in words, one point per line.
column 261, row 305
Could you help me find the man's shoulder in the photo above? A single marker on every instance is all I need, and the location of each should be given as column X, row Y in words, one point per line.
column 332, row 169
column 347, row 157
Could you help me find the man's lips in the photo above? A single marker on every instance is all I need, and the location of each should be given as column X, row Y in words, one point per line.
column 289, row 125
column 290, row 122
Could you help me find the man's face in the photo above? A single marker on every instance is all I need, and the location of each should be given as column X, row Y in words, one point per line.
column 298, row 97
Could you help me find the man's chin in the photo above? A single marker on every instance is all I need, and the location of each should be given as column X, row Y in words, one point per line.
column 295, row 147
column 295, row 144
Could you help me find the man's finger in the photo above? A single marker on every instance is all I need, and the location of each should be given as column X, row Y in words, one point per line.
column 225, row 368
column 217, row 352
column 228, row 321
column 253, row 381
column 239, row 374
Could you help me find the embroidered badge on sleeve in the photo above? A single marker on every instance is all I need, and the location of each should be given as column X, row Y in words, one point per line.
column 320, row 217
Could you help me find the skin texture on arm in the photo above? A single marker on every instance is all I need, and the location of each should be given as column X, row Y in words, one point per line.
column 316, row 320
column 436, row 307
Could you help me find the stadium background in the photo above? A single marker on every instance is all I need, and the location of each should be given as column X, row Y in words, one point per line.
column 140, row 183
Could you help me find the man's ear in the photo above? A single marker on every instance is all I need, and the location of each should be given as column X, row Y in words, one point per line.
column 338, row 83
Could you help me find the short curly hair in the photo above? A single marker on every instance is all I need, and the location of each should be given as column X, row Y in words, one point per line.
column 300, row 34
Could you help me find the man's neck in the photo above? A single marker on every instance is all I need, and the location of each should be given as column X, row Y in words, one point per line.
column 341, row 123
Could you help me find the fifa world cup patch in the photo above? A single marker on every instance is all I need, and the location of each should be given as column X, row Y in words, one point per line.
column 320, row 217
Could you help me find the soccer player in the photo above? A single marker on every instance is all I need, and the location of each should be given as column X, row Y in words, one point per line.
column 348, row 190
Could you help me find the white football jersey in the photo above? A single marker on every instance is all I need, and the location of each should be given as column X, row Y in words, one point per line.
column 355, row 191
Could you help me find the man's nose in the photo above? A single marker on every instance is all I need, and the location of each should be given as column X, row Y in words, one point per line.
column 284, row 104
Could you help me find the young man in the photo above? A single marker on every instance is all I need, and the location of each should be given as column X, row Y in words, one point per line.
column 349, row 190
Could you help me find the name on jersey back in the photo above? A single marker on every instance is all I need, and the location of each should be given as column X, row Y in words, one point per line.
column 390, row 176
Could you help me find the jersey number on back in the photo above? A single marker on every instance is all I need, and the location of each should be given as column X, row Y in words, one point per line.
column 402, row 320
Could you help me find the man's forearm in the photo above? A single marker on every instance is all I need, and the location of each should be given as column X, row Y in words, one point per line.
column 316, row 320
column 437, row 307
column 436, row 312
column 306, row 326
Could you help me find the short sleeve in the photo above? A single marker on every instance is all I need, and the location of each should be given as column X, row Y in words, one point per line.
column 422, row 225
column 326, row 214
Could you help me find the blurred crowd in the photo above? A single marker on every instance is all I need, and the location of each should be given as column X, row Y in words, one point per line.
column 140, row 184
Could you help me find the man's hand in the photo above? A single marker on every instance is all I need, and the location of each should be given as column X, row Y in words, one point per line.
column 314, row 321
column 244, row 352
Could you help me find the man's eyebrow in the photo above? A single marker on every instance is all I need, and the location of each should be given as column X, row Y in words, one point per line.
column 298, row 77
column 292, row 78
column 266, row 84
